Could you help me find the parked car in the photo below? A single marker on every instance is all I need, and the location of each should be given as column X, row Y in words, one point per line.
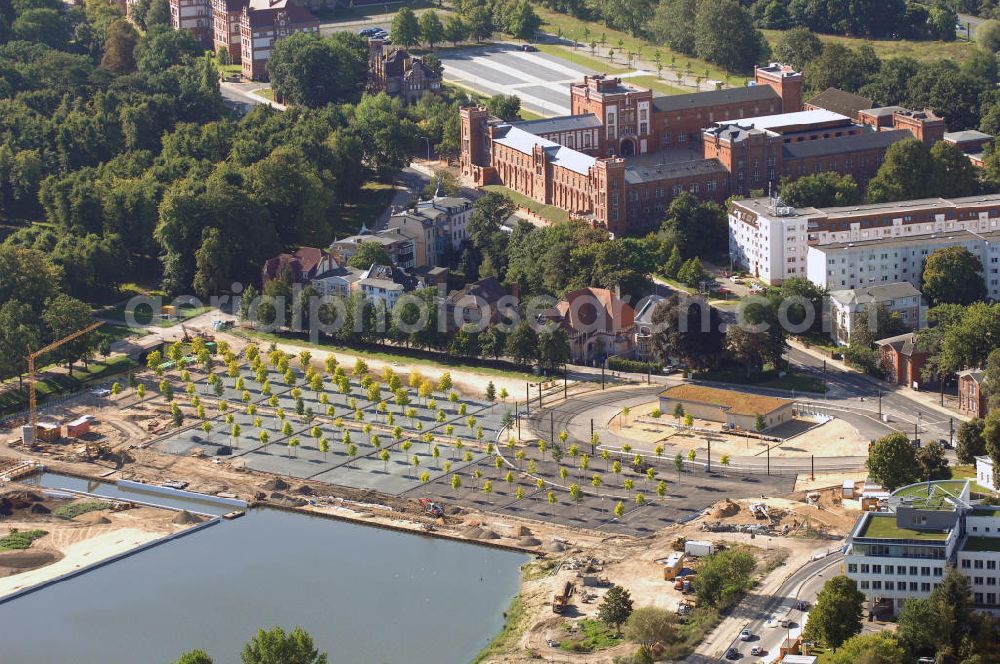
column 368, row 32
column 528, row 48
column 732, row 653
column 802, row 605
column 757, row 651
column 746, row 635
column 101, row 392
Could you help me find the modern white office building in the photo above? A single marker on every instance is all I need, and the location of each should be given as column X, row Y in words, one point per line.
column 904, row 553
column 862, row 245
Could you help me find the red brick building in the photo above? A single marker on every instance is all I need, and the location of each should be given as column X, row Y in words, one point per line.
column 624, row 154
column 971, row 395
column 399, row 74
column 264, row 22
column 226, row 16
column 193, row 15
column 901, row 361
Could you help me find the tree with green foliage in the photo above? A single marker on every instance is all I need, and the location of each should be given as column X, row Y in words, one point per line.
column 836, row 615
column 932, row 463
column 367, row 254
column 455, row 29
column 649, row 625
column 275, row 646
column 119, row 47
column 521, row 21
column 673, row 264
column 877, row 648
column 63, row 316
column 314, row 71
column 194, row 657
column 953, row 275
column 505, row 107
column 406, row 27
column 826, row 189
column 797, row 47
column 723, row 578
column 431, row 29
column 892, row 461
column 970, row 440
column 616, row 607
column 724, row 34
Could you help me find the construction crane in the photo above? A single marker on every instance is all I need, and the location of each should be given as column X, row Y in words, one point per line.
column 31, row 357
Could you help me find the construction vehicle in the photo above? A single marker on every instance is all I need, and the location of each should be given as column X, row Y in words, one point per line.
column 32, row 393
column 560, row 602
column 432, row 507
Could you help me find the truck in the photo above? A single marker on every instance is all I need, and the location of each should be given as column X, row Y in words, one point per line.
column 560, row 602
column 698, row 548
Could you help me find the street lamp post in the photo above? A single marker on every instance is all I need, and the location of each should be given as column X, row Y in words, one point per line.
column 428, row 141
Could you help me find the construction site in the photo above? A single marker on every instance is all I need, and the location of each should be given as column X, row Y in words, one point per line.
column 221, row 417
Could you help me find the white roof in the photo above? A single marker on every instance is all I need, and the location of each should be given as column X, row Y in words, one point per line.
column 848, row 484
column 787, row 119
column 523, row 141
column 798, row 659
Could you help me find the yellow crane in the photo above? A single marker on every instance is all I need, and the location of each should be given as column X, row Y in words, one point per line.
column 31, row 357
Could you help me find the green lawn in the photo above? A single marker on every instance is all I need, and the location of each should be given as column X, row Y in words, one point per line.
column 373, row 200
column 886, row 48
column 657, row 85
column 548, row 212
column 583, row 58
column 963, row 472
column 573, row 28
column 590, row 635
column 20, row 539
column 14, row 400
column 230, row 69
column 790, row 381
column 884, row 526
column 143, row 315
column 402, row 356
column 266, row 93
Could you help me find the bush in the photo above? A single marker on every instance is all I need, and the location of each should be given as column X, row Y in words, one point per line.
column 633, row 366
column 20, row 539
column 76, row 509
column 655, row 413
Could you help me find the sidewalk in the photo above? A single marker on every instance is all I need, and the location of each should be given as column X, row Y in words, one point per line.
column 927, row 399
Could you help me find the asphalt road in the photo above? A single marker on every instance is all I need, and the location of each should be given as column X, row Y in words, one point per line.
column 804, row 584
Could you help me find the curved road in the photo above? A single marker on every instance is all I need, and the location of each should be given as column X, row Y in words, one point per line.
column 752, row 613
column 576, row 416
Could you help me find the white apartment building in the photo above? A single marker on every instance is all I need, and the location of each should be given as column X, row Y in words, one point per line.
column 845, row 265
column 903, row 553
column 770, row 239
column 850, row 308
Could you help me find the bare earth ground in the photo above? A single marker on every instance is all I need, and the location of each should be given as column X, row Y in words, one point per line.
column 833, row 438
column 75, row 543
column 128, row 426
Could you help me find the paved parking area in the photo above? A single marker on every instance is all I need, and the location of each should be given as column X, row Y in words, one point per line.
column 541, row 81
column 400, row 431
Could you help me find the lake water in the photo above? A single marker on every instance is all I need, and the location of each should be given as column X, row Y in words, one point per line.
column 364, row 594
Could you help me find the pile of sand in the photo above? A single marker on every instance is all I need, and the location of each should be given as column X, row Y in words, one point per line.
column 480, row 533
column 724, row 509
column 276, row 484
column 38, row 508
column 529, row 541
column 18, row 500
column 95, row 518
column 288, row 501
column 186, row 518
column 305, row 490
column 521, row 531
column 555, row 547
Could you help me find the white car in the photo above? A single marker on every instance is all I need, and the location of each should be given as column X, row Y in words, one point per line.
column 101, row 392
column 746, row 635
column 757, row 651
